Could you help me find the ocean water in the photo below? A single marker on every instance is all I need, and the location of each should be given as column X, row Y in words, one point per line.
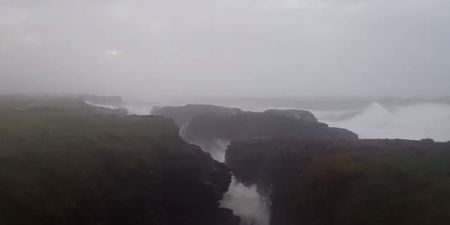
column 418, row 121
column 247, row 202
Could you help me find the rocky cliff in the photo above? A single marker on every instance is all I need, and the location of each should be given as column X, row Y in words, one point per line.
column 247, row 125
column 203, row 123
column 182, row 115
column 351, row 182
column 80, row 167
column 302, row 115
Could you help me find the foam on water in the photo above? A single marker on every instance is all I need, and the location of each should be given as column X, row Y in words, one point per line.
column 246, row 201
column 101, row 105
column 132, row 109
column 137, row 109
column 407, row 122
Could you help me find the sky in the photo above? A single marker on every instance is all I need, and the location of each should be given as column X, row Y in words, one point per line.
column 269, row 48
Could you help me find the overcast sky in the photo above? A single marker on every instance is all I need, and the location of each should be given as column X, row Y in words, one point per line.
column 148, row 48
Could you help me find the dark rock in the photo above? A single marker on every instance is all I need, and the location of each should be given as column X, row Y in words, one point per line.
column 294, row 114
column 204, row 123
column 182, row 115
column 54, row 104
column 351, row 182
column 427, row 140
column 247, row 125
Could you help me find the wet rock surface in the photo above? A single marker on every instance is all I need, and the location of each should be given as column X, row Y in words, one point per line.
column 182, row 115
column 249, row 125
column 347, row 181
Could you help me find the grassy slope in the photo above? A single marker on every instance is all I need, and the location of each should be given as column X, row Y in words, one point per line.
column 63, row 163
column 60, row 167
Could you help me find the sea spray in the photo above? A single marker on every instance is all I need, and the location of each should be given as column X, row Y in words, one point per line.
column 416, row 121
column 246, row 201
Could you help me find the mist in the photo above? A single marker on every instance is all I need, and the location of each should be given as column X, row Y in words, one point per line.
column 416, row 122
column 349, row 71
column 157, row 49
column 246, row 201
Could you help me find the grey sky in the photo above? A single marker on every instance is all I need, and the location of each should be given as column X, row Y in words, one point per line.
column 152, row 48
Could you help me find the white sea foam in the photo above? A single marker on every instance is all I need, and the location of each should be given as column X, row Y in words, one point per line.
column 246, row 202
column 407, row 122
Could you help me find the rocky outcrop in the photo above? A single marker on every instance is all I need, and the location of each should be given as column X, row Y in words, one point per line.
column 56, row 104
column 182, row 115
column 351, row 182
column 247, row 125
column 205, row 123
column 78, row 167
column 302, row 115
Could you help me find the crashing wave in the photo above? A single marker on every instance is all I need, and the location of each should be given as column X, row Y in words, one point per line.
column 407, row 122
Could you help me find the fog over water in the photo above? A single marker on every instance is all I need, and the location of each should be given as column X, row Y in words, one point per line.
column 153, row 49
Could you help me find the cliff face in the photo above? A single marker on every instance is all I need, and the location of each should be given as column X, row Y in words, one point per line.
column 55, row 104
column 249, row 125
column 303, row 115
column 203, row 123
column 76, row 167
column 182, row 115
column 347, row 182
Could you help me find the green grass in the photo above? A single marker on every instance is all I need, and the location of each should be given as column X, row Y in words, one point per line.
column 70, row 165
